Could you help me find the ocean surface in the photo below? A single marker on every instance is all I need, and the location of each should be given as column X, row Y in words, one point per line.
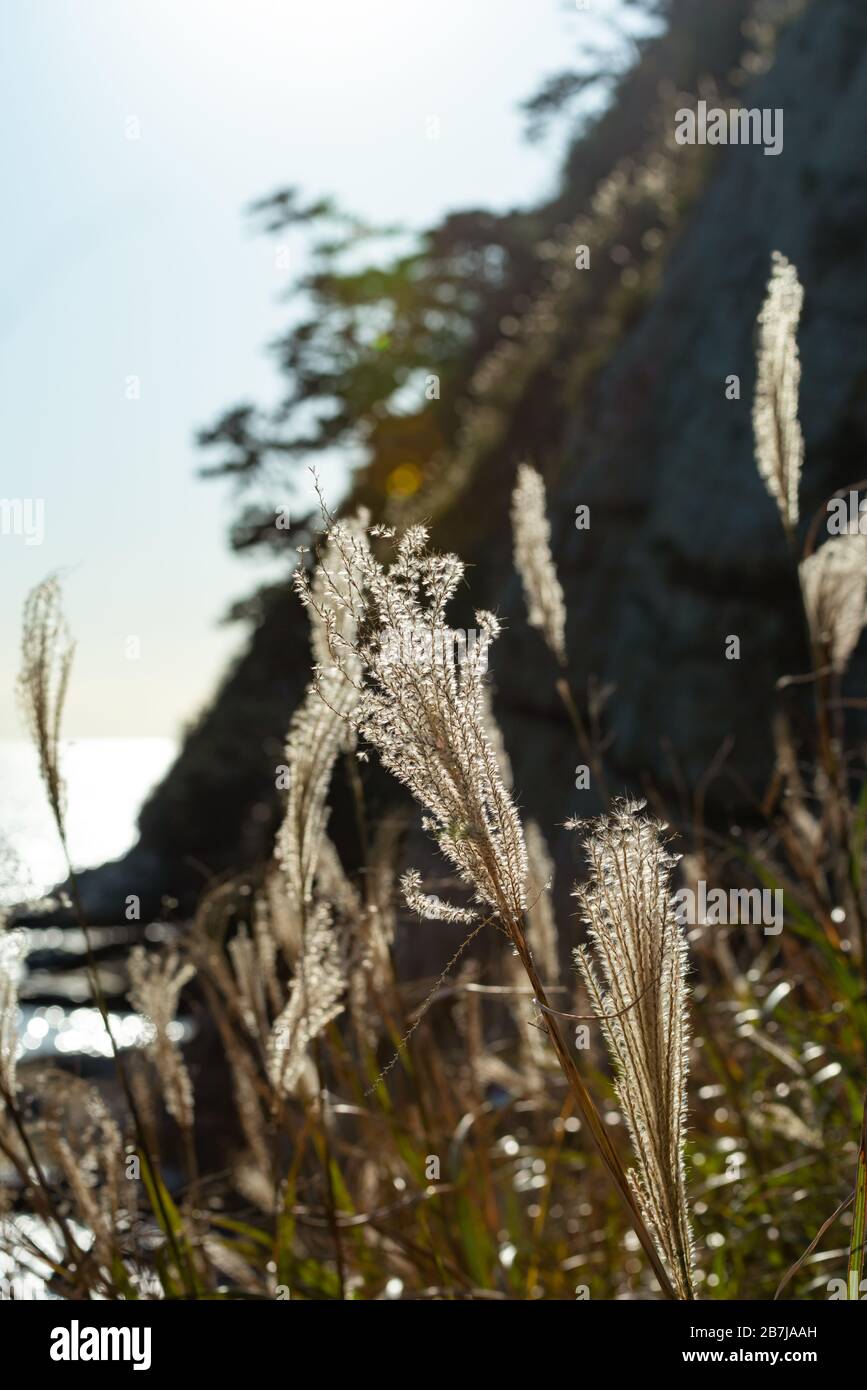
column 107, row 781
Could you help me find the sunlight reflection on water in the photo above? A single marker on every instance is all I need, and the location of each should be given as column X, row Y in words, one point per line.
column 107, row 781
column 52, row 1031
column 23, row 1271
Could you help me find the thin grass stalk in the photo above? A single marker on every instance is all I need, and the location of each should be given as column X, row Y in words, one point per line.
column 43, row 683
column 589, row 1113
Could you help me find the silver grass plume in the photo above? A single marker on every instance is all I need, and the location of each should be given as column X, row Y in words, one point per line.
column 635, row 972
column 156, row 982
column 315, row 999
column 779, row 444
column 315, row 885
column 834, row 588
column 316, row 736
column 321, row 727
column 46, row 660
column 308, row 884
column 420, row 705
column 428, row 906
column 422, row 709
column 546, row 607
column 13, row 949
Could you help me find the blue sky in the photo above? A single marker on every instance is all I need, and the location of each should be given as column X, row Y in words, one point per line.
column 132, row 258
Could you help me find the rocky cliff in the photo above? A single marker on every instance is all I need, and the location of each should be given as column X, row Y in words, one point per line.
column 616, row 387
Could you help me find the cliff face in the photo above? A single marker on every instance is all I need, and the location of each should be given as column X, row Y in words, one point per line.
column 684, row 548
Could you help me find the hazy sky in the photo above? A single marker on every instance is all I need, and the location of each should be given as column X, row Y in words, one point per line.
column 131, row 258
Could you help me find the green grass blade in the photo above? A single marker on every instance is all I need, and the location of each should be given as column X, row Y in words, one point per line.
column 855, row 1271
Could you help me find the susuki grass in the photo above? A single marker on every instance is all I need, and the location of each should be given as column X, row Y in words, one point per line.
column 442, row 1138
column 635, row 972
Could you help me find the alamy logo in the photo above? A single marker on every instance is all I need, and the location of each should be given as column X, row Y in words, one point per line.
column 75, row 1343
column 847, row 516
column 738, row 126
column 23, row 516
column 739, row 907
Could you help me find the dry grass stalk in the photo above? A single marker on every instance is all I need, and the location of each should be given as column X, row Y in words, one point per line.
column 635, row 972
column 46, row 660
column 834, row 588
column 320, row 729
column 423, row 710
column 155, row 986
column 531, row 529
column 779, row 443
column 315, row 998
